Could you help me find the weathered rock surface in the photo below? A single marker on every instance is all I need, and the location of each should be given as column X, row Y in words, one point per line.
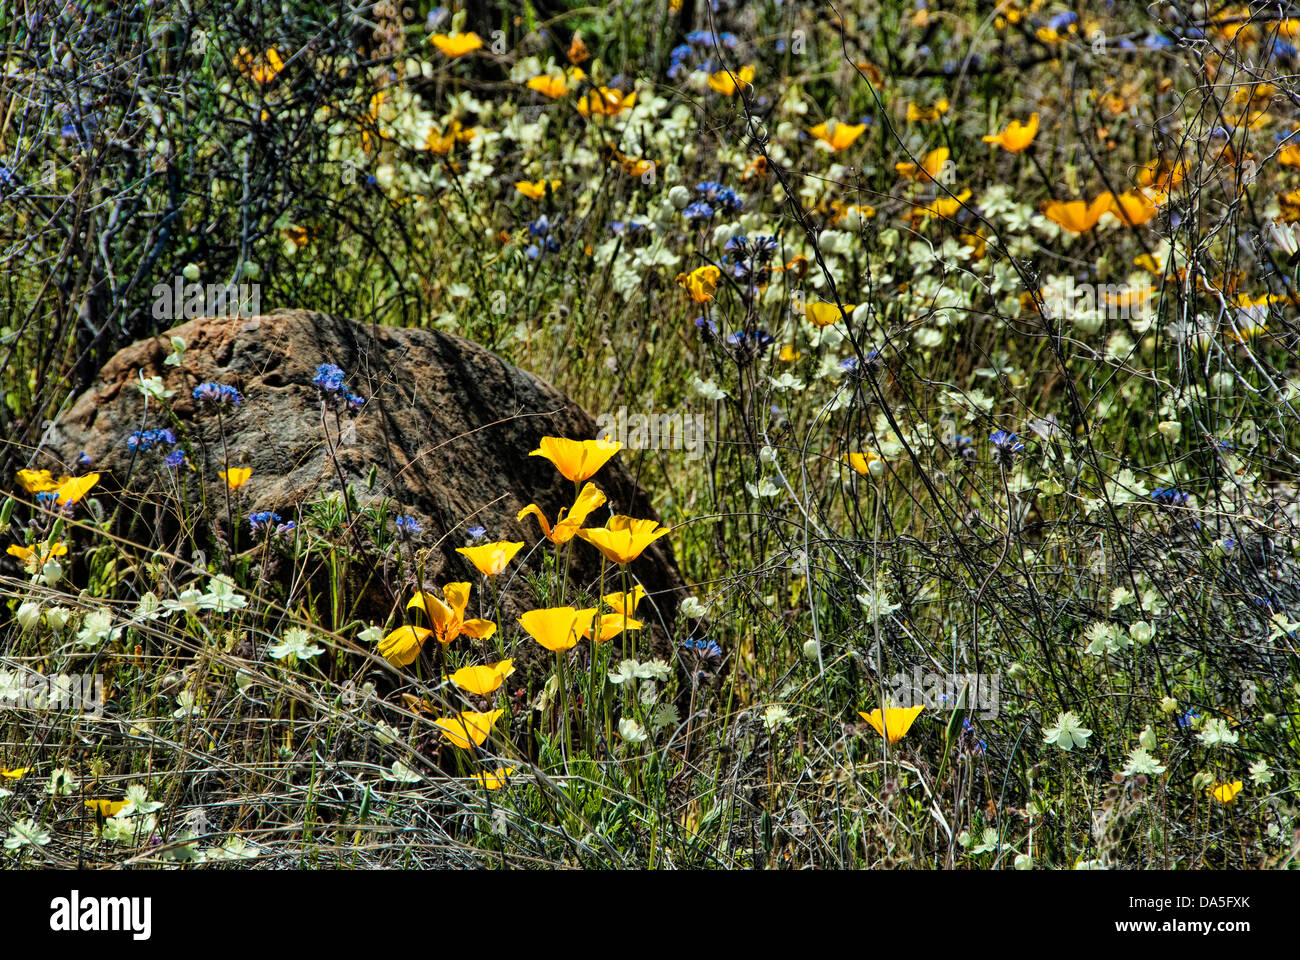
column 446, row 429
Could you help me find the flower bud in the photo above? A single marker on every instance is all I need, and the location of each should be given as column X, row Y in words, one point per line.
column 29, row 614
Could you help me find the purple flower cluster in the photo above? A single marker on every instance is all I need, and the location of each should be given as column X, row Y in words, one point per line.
column 544, row 229
column 407, row 527
column 1170, row 497
column 695, row 53
column 329, row 380
column 1005, row 446
column 218, row 395
column 267, row 521
column 142, row 440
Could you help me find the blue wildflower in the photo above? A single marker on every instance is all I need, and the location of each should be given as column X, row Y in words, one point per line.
column 1005, row 446
column 329, row 378
column 407, row 527
column 698, row 212
column 730, row 201
column 1170, row 497
column 758, row 338
column 703, row 647
column 263, row 520
column 142, row 440
column 710, row 189
column 218, row 394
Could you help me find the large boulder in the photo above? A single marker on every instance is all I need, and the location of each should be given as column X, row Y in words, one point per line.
column 445, row 434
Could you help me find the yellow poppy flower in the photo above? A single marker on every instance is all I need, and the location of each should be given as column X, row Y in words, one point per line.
column 441, row 142
column 588, row 500
column 548, row 86
column 72, row 489
column 491, row 558
column 453, row 45
column 622, row 539
column 1130, row 299
column 1149, row 263
column 701, row 283
column 1226, row 792
column 261, row 69
column 555, row 628
column 823, row 314
column 1132, row 207
column 789, row 353
column 944, row 207
column 930, row 166
column 578, row 460
column 605, row 102
column 1165, row 176
column 917, row 114
column 480, row 680
column 37, row 556
column 726, row 82
column 625, row 603
column 38, row 481
column 977, row 242
column 1289, row 207
column 866, row 463
column 1076, row 215
column 495, row 780
column 106, row 808
column 236, row 477
column 607, row 626
column 468, row 727
column 897, row 721
column 634, row 167
column 837, row 136
column 449, row 618
column 402, row 646
column 16, row 773
column 535, row 189
column 1016, row 136
column 840, row 210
